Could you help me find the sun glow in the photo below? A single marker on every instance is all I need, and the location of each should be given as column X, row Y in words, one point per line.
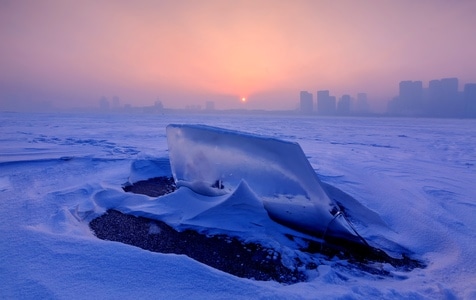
column 243, row 99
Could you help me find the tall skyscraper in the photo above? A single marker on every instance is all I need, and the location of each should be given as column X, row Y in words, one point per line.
column 435, row 105
column 470, row 100
column 343, row 106
column 104, row 103
column 361, row 106
column 444, row 99
column 441, row 99
column 326, row 104
column 449, row 86
column 306, row 102
column 452, row 104
column 410, row 97
column 116, row 102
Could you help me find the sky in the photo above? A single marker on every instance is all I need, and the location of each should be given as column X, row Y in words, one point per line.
column 71, row 53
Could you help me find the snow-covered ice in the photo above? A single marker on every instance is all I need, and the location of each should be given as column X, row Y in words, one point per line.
column 411, row 183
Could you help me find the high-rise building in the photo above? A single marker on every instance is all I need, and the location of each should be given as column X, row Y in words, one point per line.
column 326, row 104
column 435, row 105
column 470, row 100
column 441, row 99
column 306, row 102
column 452, row 104
column 116, row 102
column 444, row 99
column 409, row 100
column 449, row 86
column 104, row 103
column 410, row 97
column 361, row 106
column 343, row 106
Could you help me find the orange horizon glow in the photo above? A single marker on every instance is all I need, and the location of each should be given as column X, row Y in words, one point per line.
column 185, row 53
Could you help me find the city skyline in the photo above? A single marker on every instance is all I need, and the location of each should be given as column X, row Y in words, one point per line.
column 440, row 98
column 70, row 53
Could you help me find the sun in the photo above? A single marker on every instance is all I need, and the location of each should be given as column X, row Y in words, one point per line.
column 243, row 99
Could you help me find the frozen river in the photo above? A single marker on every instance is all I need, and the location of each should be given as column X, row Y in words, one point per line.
column 415, row 175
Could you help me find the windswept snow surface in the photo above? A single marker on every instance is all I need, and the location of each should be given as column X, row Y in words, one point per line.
column 411, row 183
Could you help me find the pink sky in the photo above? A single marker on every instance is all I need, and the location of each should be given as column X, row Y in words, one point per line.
column 187, row 52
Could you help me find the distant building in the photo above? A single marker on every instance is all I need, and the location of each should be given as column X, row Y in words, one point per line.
column 470, row 100
column 306, row 102
column 451, row 102
column 435, row 103
column 158, row 105
column 210, row 105
column 410, row 97
column 409, row 100
column 441, row 99
column 116, row 103
column 343, row 106
column 361, row 105
column 104, row 104
column 449, row 86
column 444, row 100
column 157, row 108
column 326, row 104
column 193, row 107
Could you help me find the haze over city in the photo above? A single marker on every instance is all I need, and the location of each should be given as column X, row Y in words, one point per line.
column 72, row 53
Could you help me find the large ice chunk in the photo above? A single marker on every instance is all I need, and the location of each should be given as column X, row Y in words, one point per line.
column 213, row 161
